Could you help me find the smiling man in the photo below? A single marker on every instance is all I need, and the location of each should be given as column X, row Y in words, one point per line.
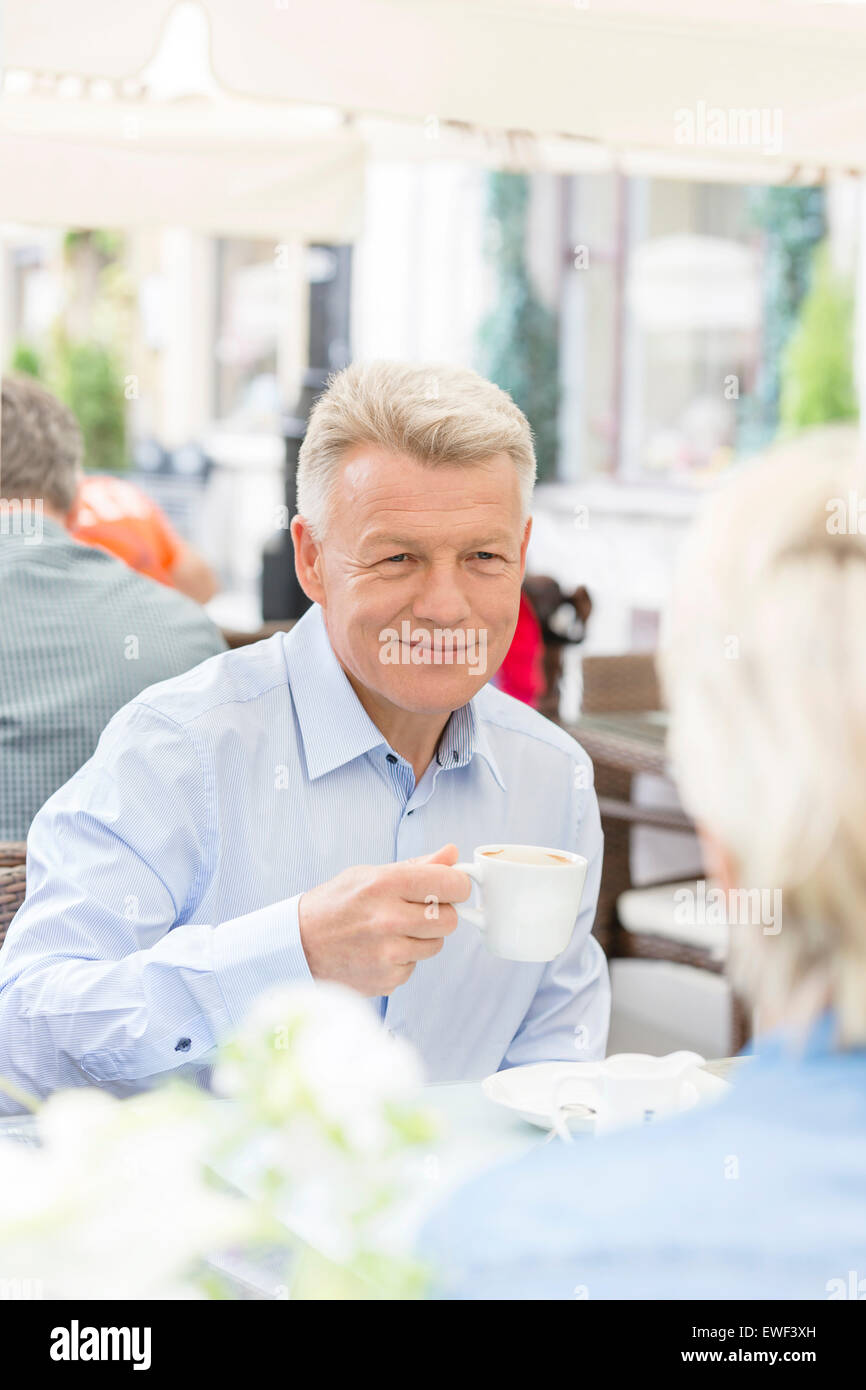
column 294, row 810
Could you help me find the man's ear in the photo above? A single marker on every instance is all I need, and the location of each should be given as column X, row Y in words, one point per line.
column 524, row 545
column 308, row 560
column 719, row 862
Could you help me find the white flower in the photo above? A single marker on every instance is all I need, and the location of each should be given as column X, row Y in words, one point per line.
column 321, row 1130
column 116, row 1204
column 329, row 1101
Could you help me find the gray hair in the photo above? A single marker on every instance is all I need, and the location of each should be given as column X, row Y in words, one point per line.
column 435, row 413
column 40, row 445
column 763, row 662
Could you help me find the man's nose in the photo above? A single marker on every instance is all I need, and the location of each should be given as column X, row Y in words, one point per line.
column 441, row 600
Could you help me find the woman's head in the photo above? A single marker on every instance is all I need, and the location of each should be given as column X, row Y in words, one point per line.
column 763, row 662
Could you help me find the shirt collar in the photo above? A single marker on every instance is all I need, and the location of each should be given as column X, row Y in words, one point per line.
column 335, row 727
column 50, row 529
column 464, row 735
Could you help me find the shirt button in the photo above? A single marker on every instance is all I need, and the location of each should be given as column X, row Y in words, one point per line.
column 391, row 757
column 182, row 1045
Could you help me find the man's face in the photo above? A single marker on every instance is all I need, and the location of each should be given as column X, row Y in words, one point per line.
column 419, row 574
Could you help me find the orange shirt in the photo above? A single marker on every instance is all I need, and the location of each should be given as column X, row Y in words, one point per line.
column 117, row 516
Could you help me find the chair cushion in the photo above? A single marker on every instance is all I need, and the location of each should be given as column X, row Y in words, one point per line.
column 659, row 1007
column 686, row 912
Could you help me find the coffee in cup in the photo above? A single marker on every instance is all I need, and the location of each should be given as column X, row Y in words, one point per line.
column 530, row 897
column 525, row 854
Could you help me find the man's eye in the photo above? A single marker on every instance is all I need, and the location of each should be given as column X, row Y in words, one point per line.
column 486, row 555
column 393, row 559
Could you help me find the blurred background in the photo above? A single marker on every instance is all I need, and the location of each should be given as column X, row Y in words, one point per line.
column 644, row 221
column 175, row 258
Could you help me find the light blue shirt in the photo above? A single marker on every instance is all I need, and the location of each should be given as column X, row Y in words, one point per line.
column 759, row 1196
column 164, row 878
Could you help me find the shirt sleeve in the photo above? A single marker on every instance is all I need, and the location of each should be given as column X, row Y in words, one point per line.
column 103, row 976
column 569, row 1017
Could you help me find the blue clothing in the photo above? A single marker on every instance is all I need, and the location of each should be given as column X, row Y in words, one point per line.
column 163, row 879
column 760, row 1195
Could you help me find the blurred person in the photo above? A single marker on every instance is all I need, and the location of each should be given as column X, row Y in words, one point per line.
column 562, row 618
column 295, row 809
column 548, row 621
column 759, row 1196
column 120, row 517
column 521, row 674
column 81, row 633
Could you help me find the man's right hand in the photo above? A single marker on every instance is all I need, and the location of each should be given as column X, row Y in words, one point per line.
column 368, row 927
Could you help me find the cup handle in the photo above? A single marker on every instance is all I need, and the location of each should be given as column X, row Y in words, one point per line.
column 472, row 914
column 558, row 1103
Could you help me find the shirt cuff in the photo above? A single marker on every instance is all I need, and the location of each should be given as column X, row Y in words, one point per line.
column 254, row 952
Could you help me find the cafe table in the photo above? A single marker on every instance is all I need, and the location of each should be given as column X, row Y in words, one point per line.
column 474, row 1134
column 630, row 741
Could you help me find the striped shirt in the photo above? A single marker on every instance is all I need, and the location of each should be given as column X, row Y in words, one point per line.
column 80, row 635
column 164, row 878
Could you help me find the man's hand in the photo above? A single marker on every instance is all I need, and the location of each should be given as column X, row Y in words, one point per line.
column 368, row 927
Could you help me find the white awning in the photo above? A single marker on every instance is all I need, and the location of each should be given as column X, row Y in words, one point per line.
column 774, row 85
column 219, row 167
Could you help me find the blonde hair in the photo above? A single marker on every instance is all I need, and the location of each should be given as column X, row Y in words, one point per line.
column 435, row 413
column 763, row 662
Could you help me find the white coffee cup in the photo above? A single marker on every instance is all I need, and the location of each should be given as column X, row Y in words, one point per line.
column 530, row 897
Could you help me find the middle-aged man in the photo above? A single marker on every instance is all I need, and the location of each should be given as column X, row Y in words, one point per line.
column 293, row 810
column 80, row 633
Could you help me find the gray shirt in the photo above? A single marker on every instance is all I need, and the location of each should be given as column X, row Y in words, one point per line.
column 81, row 634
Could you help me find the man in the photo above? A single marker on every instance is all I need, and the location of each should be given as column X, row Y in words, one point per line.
column 759, row 1196
column 120, row 517
column 294, row 810
column 81, row 634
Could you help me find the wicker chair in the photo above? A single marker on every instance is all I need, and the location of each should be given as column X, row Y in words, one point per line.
column 620, row 684
column 234, row 638
column 12, row 852
column 12, row 891
column 628, row 684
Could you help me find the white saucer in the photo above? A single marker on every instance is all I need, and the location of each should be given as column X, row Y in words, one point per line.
column 529, row 1091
